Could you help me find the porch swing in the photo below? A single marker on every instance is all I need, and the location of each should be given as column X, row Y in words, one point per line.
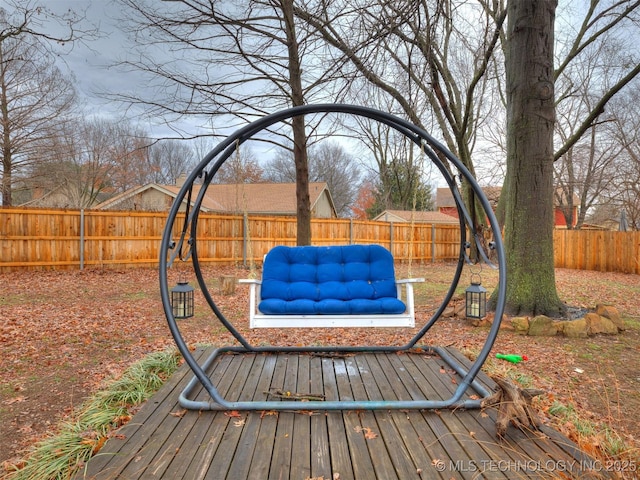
column 316, row 259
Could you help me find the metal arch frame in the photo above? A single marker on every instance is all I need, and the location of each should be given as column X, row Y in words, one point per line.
column 206, row 170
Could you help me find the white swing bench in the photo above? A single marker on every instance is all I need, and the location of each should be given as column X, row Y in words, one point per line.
column 335, row 286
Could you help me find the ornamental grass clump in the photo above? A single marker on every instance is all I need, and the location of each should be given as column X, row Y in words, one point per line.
column 58, row 456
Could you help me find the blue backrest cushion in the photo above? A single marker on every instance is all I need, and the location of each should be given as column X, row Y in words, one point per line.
column 329, row 280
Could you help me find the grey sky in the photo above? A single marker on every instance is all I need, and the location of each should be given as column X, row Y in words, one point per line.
column 92, row 63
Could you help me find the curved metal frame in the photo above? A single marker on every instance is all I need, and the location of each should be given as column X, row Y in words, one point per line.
column 185, row 248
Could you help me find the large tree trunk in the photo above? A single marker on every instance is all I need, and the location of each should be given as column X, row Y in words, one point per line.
column 528, row 189
column 303, row 233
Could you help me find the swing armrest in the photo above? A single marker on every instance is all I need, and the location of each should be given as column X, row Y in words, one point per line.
column 410, row 280
column 254, row 294
column 408, row 283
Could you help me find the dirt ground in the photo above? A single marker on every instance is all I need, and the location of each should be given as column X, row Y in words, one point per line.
column 64, row 334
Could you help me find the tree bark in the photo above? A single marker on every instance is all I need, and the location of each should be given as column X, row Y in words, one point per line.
column 303, row 213
column 528, row 189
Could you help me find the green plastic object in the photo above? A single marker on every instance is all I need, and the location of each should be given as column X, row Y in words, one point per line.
column 512, row 358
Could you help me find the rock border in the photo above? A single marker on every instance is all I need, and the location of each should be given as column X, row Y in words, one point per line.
column 605, row 319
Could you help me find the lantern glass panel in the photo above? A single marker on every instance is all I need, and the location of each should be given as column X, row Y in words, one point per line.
column 182, row 300
column 476, row 301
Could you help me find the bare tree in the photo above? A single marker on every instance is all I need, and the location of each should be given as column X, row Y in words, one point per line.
column 76, row 164
column 328, row 162
column 240, row 168
column 169, row 159
column 229, row 60
column 82, row 161
column 33, row 92
column 434, row 59
column 624, row 194
column 586, row 173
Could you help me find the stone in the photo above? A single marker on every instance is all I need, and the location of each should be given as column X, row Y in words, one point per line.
column 575, row 328
column 520, row 325
column 449, row 312
column 542, row 326
column 597, row 324
column 611, row 312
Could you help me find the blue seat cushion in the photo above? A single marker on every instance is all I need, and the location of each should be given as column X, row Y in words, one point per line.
column 340, row 280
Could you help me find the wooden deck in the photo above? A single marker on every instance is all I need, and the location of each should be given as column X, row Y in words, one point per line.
column 164, row 441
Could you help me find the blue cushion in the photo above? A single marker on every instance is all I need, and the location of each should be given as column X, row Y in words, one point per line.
column 350, row 279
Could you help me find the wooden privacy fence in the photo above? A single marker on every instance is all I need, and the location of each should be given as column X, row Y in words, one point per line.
column 600, row 250
column 75, row 239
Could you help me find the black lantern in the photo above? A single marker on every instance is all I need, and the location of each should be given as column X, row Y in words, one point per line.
column 182, row 300
column 476, row 300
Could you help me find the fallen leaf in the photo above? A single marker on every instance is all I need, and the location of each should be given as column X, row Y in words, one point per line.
column 233, row 414
column 239, row 423
column 179, row 414
column 98, row 445
column 368, row 433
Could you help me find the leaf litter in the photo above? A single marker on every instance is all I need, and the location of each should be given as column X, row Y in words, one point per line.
column 65, row 334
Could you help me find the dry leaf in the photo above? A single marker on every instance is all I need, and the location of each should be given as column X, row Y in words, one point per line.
column 233, row 414
column 239, row 423
column 368, row 433
column 179, row 414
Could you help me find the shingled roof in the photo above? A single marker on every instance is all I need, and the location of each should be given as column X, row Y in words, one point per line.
column 416, row 216
column 251, row 198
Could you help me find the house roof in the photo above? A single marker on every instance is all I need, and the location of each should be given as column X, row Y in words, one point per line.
column 416, row 216
column 261, row 198
column 444, row 197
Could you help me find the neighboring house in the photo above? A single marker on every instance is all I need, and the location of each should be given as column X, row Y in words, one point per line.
column 408, row 216
column 61, row 197
column 446, row 204
column 250, row 198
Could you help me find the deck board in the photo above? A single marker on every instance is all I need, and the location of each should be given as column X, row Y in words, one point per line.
column 164, row 441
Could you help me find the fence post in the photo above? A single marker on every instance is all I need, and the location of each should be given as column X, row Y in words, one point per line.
column 391, row 238
column 433, row 243
column 350, row 231
column 245, row 230
column 82, row 239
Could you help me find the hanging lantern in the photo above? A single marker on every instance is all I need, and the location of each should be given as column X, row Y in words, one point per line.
column 182, row 300
column 476, row 300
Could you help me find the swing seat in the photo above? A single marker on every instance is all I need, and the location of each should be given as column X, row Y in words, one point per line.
column 336, row 286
